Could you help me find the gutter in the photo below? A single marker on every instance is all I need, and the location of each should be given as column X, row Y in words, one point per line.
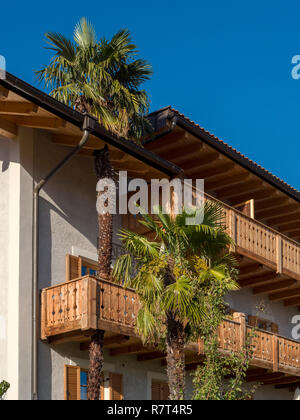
column 87, row 127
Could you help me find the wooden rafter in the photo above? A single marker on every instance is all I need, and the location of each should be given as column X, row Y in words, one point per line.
column 17, row 108
column 251, row 268
column 218, row 169
column 269, row 213
column 292, row 302
column 270, row 203
column 256, row 195
column 37, row 121
column 8, row 129
column 197, row 160
column 282, row 380
column 291, row 293
column 254, row 280
column 232, row 191
column 131, row 349
column 115, row 339
column 221, row 182
column 273, row 287
column 153, row 355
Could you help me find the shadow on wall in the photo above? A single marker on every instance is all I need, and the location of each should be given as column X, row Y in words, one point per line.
column 44, row 372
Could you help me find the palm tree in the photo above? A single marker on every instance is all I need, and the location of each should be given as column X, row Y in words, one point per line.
column 168, row 274
column 102, row 78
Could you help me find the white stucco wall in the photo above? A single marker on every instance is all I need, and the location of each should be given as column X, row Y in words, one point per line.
column 16, row 268
column 245, row 301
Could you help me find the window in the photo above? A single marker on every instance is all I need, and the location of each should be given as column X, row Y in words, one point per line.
column 83, row 384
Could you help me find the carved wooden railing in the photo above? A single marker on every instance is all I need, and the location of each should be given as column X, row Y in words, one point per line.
column 86, row 304
column 252, row 238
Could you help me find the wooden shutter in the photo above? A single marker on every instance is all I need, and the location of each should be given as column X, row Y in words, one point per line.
column 116, row 386
column 72, row 383
column 73, row 267
column 160, row 390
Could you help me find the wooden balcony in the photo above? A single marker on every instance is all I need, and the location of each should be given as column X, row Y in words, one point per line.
column 72, row 311
column 253, row 239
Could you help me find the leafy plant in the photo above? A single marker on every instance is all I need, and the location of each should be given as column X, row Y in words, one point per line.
column 4, row 387
column 171, row 277
column 221, row 377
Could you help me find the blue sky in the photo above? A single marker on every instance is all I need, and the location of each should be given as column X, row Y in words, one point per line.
column 226, row 65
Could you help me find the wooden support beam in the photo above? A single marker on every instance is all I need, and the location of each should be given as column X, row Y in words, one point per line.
column 253, row 281
column 37, row 121
column 235, row 190
column 287, row 209
column 282, row 380
column 8, row 129
column 291, row 387
column 181, row 152
column 273, row 287
column 202, row 159
column 3, row 93
column 257, row 195
column 208, row 172
column 131, row 349
column 264, row 377
column 270, row 203
column 115, row 339
column 17, row 108
column 291, row 293
column 292, row 302
column 153, row 355
column 251, row 268
column 276, row 220
column 222, row 182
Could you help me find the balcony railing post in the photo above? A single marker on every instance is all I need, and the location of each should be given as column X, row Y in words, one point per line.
column 279, row 253
column 241, row 319
column 232, row 229
column 275, row 344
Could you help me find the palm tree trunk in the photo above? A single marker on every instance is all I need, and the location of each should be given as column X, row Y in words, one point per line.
column 103, row 170
column 96, row 365
column 175, row 358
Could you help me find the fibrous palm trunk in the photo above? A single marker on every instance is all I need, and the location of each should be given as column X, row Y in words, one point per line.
column 175, row 358
column 96, row 365
column 175, row 346
column 103, row 170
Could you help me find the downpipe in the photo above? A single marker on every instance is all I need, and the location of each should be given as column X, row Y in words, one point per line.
column 88, row 126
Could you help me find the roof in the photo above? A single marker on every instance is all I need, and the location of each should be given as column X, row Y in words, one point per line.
column 76, row 118
column 158, row 119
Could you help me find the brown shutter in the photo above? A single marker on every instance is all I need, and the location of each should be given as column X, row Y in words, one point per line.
column 73, row 267
column 165, row 391
column 116, row 386
column 160, row 390
column 72, row 383
column 102, row 388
